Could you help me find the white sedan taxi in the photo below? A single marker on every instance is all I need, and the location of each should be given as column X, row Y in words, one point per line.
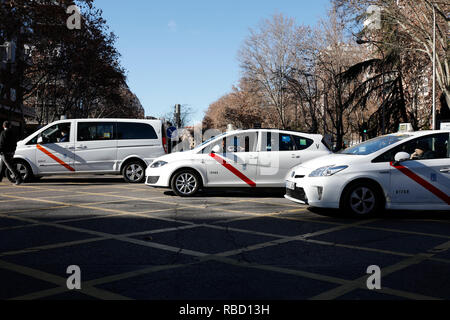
column 243, row 158
column 404, row 171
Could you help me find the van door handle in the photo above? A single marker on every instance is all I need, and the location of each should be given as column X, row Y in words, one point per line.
column 445, row 170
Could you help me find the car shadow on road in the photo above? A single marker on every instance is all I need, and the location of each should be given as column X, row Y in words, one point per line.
column 386, row 214
column 76, row 181
column 236, row 193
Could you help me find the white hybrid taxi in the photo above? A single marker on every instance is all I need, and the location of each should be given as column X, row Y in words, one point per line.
column 399, row 171
column 243, row 158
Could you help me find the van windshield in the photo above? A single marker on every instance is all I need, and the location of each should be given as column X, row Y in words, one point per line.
column 375, row 145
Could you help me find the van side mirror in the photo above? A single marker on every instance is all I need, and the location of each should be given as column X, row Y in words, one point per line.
column 40, row 140
column 216, row 149
column 402, row 157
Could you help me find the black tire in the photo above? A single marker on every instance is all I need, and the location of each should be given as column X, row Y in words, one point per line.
column 134, row 171
column 186, row 183
column 24, row 169
column 362, row 200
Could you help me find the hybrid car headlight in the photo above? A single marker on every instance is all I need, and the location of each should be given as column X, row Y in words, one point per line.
column 158, row 164
column 327, row 171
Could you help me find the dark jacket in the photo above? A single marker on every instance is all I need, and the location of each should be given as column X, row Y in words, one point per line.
column 8, row 142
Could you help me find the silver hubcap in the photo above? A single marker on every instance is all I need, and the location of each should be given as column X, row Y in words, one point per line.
column 22, row 170
column 186, row 183
column 362, row 201
column 134, row 172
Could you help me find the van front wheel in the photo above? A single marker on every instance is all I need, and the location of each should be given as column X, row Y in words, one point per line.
column 134, row 172
column 24, row 169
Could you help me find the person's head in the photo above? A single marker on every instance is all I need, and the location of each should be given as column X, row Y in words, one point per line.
column 6, row 125
column 63, row 132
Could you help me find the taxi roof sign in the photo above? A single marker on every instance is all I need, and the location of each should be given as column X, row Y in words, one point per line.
column 445, row 126
column 405, row 127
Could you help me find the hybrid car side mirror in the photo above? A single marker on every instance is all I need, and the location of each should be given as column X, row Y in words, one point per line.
column 40, row 140
column 402, row 157
column 216, row 149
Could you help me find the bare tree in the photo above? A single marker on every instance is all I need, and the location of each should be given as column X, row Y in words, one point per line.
column 411, row 22
column 269, row 56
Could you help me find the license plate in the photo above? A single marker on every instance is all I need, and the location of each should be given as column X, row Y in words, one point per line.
column 290, row 185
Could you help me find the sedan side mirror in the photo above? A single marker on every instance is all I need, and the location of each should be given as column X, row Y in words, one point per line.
column 216, row 149
column 402, row 156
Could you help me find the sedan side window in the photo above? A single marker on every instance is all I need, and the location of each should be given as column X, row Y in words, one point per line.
column 302, row 143
column 287, row 143
column 245, row 142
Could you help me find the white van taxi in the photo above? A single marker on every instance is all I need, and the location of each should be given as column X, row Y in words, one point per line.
column 243, row 158
column 98, row 146
column 408, row 171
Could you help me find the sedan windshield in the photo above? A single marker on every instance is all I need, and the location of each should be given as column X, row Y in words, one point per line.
column 208, row 141
column 375, row 145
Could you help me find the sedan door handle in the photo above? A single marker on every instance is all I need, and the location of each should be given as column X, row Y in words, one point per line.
column 81, row 147
column 445, row 170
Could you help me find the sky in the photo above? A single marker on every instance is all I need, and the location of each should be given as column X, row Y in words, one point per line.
column 185, row 51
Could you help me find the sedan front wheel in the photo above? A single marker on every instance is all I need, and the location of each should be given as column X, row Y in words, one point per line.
column 185, row 183
column 362, row 200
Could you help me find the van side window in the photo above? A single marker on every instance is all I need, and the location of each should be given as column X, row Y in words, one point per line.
column 96, row 131
column 59, row 133
column 135, row 131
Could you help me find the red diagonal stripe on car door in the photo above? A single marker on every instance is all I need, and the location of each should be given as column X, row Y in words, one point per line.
column 233, row 170
column 438, row 193
column 48, row 153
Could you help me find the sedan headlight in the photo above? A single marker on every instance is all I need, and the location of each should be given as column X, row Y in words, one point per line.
column 158, row 164
column 327, row 171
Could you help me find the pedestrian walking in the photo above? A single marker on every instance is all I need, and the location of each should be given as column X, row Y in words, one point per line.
column 8, row 145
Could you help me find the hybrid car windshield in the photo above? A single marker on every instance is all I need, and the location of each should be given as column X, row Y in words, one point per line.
column 374, row 145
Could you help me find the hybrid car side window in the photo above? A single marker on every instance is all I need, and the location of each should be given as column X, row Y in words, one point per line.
column 424, row 148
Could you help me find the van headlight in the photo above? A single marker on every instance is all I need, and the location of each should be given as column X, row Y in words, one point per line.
column 158, row 164
column 327, row 171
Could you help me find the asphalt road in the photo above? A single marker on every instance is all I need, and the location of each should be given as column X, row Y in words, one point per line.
column 134, row 242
